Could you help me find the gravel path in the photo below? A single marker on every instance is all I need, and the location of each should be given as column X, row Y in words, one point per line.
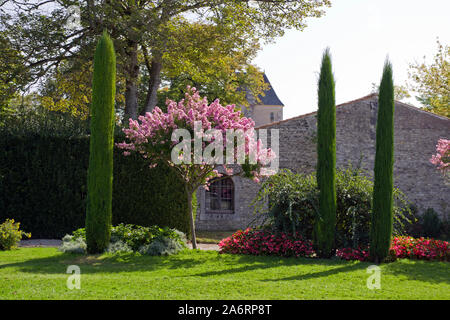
column 40, row 243
column 57, row 243
column 205, row 246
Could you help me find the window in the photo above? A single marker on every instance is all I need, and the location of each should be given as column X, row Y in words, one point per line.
column 272, row 117
column 220, row 196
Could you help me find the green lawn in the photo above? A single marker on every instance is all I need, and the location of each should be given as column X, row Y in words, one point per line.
column 40, row 273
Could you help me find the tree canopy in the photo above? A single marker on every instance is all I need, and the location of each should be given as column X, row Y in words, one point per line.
column 158, row 43
column 432, row 81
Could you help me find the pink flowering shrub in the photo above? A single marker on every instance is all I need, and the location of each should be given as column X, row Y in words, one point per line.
column 442, row 158
column 200, row 155
column 263, row 242
column 153, row 137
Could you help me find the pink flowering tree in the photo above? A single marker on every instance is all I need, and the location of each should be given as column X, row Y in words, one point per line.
column 442, row 158
column 200, row 141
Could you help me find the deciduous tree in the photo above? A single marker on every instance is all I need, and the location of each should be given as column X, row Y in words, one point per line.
column 432, row 81
column 143, row 31
column 199, row 156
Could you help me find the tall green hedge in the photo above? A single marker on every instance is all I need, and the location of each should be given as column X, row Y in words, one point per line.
column 43, row 185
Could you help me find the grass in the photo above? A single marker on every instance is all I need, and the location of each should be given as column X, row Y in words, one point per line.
column 212, row 237
column 40, row 273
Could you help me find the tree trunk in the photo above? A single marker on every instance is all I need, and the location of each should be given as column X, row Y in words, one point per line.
column 189, row 199
column 153, row 84
column 132, row 70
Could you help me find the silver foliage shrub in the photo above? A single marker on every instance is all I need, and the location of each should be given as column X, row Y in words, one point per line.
column 118, row 247
column 162, row 247
column 71, row 245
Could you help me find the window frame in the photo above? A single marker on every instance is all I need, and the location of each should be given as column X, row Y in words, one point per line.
column 208, row 209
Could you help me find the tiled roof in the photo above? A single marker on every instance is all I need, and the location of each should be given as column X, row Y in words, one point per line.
column 270, row 97
column 372, row 95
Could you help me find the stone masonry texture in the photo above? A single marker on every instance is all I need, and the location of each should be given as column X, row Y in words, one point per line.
column 416, row 135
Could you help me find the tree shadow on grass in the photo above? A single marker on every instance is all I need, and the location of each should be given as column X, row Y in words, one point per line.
column 253, row 263
column 108, row 263
column 432, row 272
column 131, row 262
column 427, row 271
column 325, row 273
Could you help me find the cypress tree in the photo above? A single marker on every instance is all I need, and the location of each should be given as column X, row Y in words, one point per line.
column 100, row 171
column 382, row 215
column 326, row 160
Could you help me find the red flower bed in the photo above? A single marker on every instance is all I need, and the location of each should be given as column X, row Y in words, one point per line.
column 420, row 248
column 353, row 254
column 264, row 242
column 261, row 242
column 404, row 248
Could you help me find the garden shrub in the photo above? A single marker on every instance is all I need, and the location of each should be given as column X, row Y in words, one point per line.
column 445, row 233
column 132, row 238
column 431, row 223
column 162, row 246
column 293, row 204
column 420, row 248
column 269, row 242
column 265, row 242
column 118, row 247
column 10, row 234
column 404, row 248
column 136, row 236
column 43, row 184
column 361, row 254
column 72, row 244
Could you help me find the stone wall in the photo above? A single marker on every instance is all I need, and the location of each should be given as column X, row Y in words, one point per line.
column 416, row 136
column 261, row 114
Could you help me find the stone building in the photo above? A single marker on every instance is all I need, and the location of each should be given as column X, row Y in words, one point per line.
column 266, row 109
column 227, row 205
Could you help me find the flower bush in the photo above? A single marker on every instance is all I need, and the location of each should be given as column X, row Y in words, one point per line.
column 10, row 234
column 420, row 248
column 404, row 248
column 263, row 242
column 266, row 242
column 361, row 254
column 442, row 157
column 155, row 136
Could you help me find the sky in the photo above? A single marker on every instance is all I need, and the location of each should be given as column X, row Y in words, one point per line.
column 360, row 35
